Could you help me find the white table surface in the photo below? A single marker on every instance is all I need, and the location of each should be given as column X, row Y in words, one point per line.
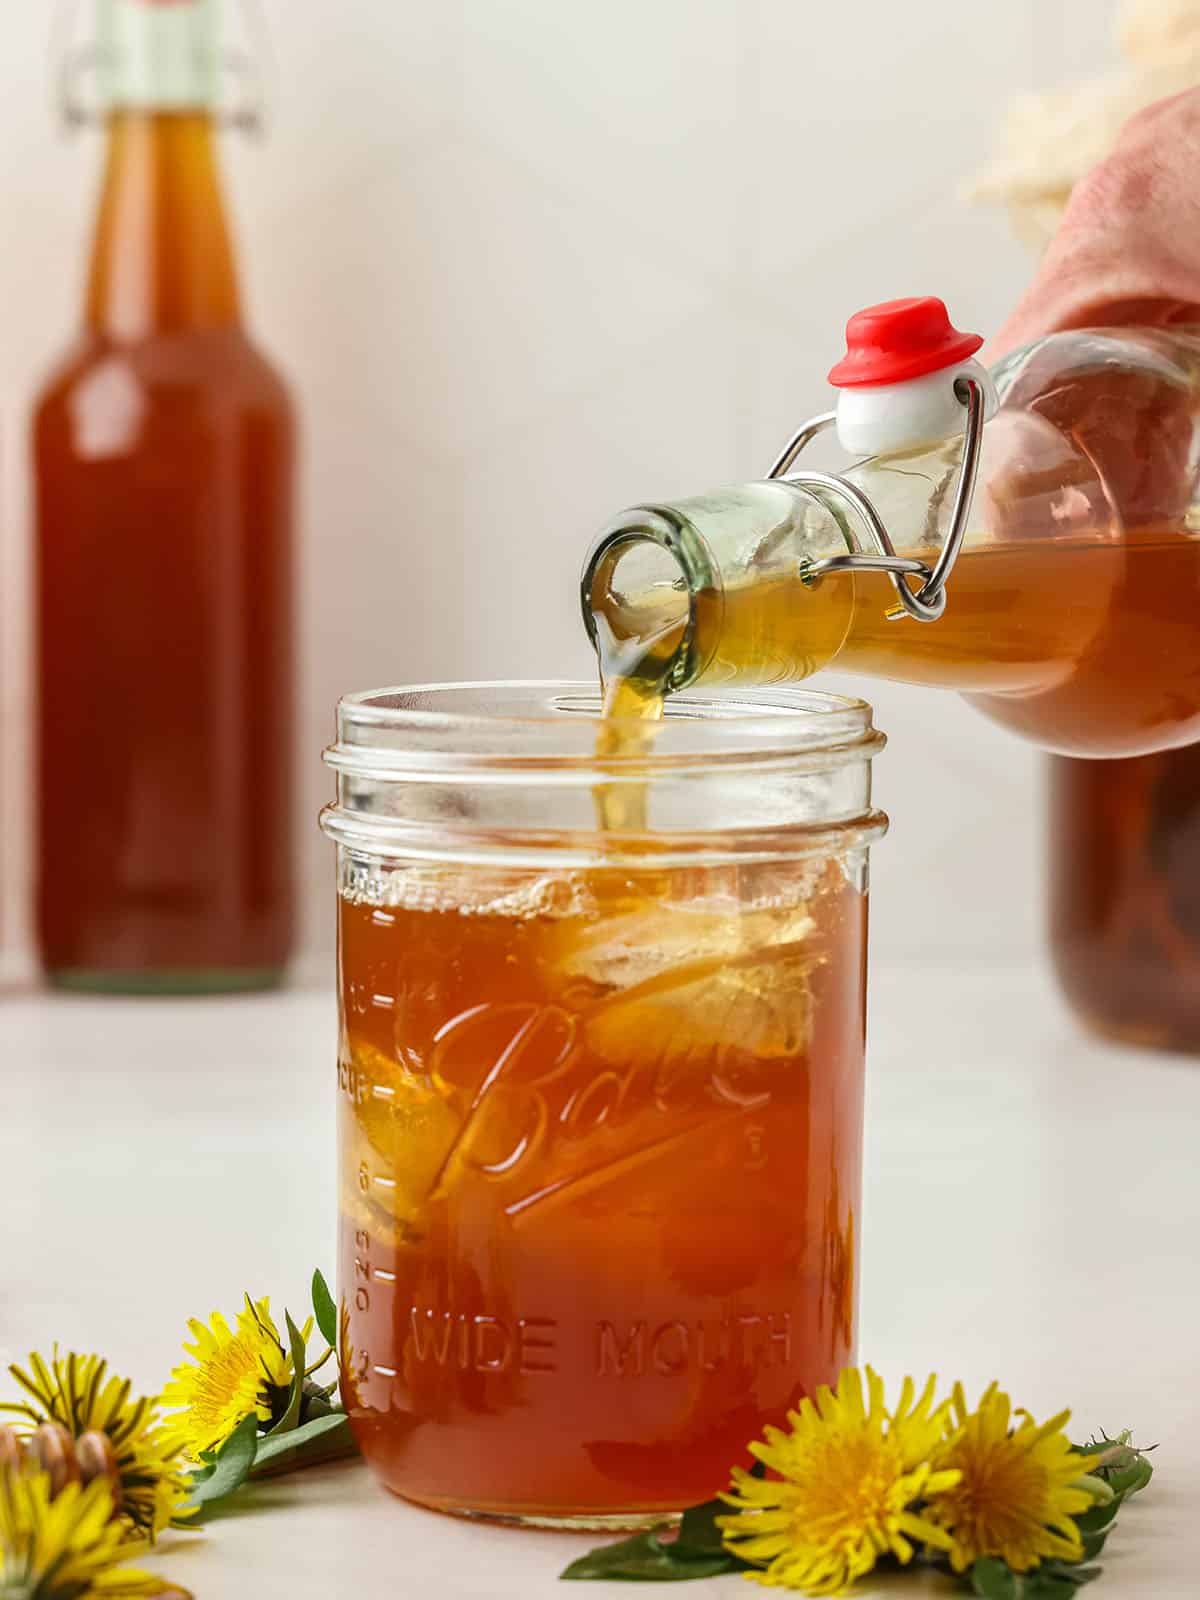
column 1032, row 1213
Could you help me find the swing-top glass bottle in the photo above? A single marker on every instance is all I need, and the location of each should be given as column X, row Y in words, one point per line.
column 1060, row 595
column 163, row 467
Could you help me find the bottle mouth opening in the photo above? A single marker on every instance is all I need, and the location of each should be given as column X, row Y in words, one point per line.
column 651, row 597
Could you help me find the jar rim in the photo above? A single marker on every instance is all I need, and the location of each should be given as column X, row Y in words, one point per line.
column 522, row 726
column 509, row 772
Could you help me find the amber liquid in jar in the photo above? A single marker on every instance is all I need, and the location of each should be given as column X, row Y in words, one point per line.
column 163, row 463
column 601, row 1155
column 1124, row 855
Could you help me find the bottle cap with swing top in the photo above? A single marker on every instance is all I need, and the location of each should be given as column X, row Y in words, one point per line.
column 898, row 377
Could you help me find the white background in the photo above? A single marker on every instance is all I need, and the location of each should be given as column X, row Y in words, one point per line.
column 526, row 261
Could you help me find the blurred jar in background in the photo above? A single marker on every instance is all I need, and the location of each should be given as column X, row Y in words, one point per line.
column 1125, row 894
column 163, row 458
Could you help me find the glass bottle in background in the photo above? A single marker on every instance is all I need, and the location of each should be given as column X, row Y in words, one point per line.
column 163, row 458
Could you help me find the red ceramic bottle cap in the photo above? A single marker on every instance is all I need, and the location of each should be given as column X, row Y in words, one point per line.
column 901, row 339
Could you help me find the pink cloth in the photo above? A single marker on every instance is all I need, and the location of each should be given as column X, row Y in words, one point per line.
column 1128, row 250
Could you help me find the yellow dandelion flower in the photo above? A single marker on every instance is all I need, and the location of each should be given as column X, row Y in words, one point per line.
column 66, row 1546
column 234, row 1374
column 1017, row 1489
column 80, row 1394
column 853, row 1483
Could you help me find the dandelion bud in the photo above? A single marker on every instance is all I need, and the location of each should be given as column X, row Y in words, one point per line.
column 11, row 1452
column 53, row 1448
column 98, row 1459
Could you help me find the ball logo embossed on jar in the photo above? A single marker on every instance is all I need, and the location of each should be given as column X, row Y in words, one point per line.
column 529, row 1096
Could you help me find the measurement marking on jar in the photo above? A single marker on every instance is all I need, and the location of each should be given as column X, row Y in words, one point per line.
column 382, row 1275
column 385, row 1002
column 384, row 1372
column 383, row 1091
column 381, row 1182
column 383, row 919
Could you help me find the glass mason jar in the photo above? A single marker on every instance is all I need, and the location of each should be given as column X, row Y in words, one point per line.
column 1125, row 895
column 600, row 1093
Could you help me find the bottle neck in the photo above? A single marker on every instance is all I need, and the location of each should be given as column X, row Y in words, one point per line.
column 162, row 259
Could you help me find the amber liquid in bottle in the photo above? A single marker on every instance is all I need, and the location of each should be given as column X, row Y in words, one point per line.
column 1071, row 610
column 163, row 464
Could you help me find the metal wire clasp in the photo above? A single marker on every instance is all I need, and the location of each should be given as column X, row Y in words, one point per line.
column 927, row 601
column 75, row 64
